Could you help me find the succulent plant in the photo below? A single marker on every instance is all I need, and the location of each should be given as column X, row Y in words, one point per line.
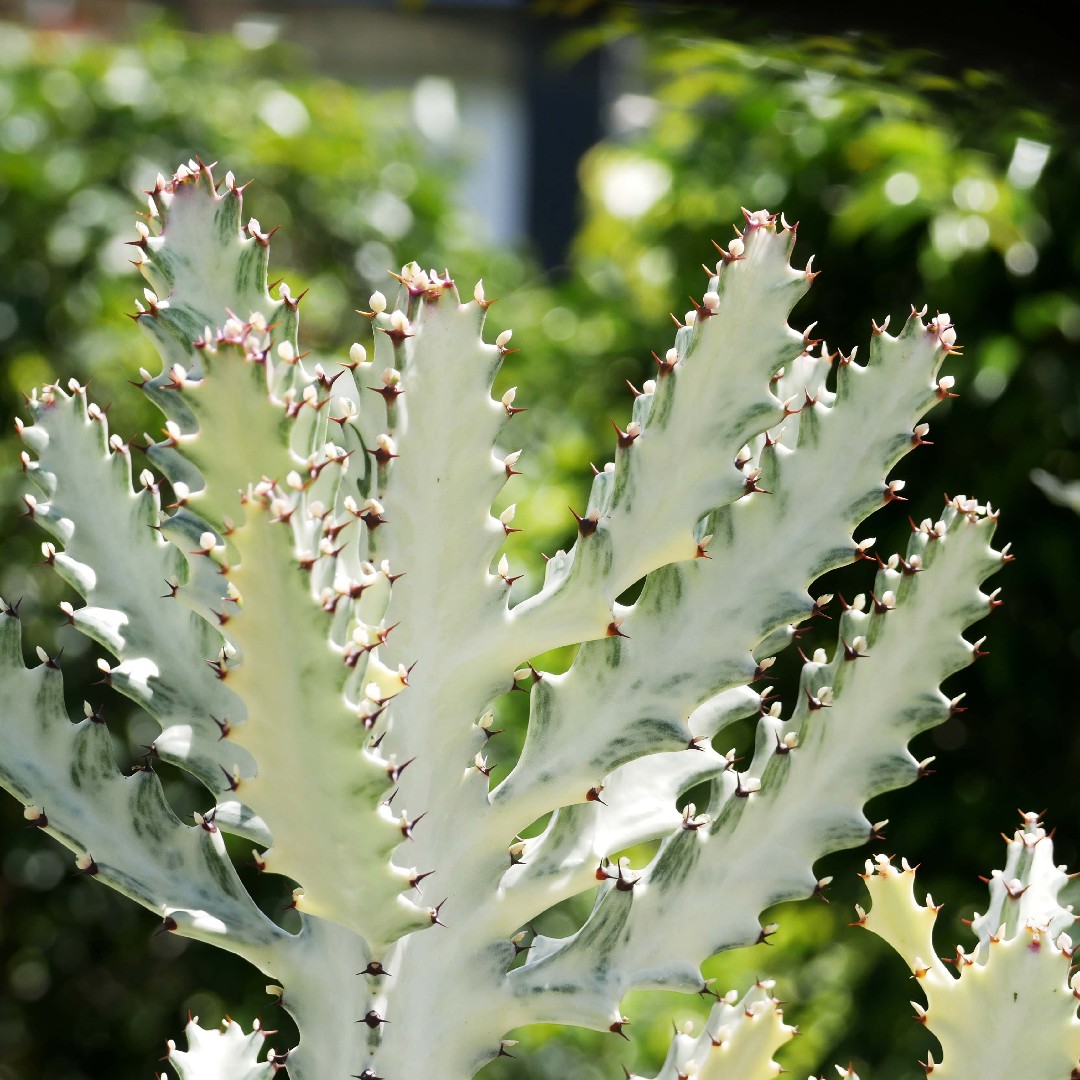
column 305, row 591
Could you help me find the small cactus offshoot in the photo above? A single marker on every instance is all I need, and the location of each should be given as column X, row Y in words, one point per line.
column 304, row 586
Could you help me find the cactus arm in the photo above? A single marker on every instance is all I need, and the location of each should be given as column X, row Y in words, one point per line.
column 317, row 977
column 721, row 404
column 201, row 263
column 721, row 626
column 430, row 346
column 121, row 828
column 162, row 645
column 221, row 1054
column 250, row 442
column 1028, row 860
column 709, row 399
column 639, row 805
column 437, row 474
column 292, row 683
column 1018, row 976
column 165, row 647
column 791, row 805
column 737, row 1040
column 206, row 271
column 443, row 474
column 291, row 693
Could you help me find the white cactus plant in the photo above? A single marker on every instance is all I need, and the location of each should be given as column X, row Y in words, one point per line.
column 319, row 619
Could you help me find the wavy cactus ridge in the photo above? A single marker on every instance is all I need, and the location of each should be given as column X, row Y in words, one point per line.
column 1020, row 972
column 161, row 647
column 345, row 655
column 242, row 460
column 224, row 1054
column 211, row 264
column 716, row 651
column 851, row 744
column 121, row 828
column 340, row 877
column 737, row 1040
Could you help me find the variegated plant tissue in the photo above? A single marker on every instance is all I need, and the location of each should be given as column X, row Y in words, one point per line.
column 305, row 591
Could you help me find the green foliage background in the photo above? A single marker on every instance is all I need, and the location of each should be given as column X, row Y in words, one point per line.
column 909, row 185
